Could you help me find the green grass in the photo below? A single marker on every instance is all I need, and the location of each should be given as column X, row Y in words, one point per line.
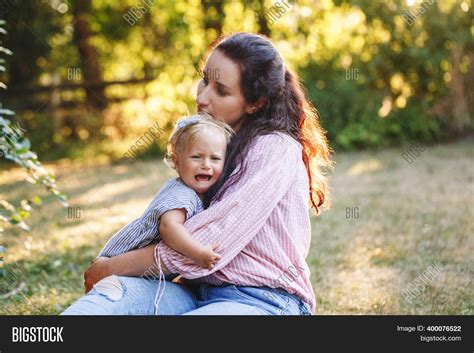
column 410, row 216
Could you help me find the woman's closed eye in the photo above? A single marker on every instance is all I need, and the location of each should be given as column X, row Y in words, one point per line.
column 220, row 90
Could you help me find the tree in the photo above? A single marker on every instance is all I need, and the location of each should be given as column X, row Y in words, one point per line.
column 261, row 19
column 213, row 17
column 88, row 54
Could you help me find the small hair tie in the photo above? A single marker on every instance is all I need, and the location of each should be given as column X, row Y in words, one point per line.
column 188, row 121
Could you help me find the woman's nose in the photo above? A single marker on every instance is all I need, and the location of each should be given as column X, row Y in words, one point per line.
column 202, row 97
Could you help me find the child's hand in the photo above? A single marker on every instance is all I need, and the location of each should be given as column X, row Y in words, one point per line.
column 207, row 258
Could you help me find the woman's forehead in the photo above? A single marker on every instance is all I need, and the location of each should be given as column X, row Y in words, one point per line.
column 222, row 69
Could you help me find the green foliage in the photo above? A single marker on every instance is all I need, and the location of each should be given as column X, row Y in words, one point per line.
column 380, row 73
column 15, row 147
column 381, row 78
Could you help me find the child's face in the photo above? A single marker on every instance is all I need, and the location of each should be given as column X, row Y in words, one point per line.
column 202, row 162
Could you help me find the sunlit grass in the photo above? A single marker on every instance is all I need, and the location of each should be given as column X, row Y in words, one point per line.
column 401, row 218
column 409, row 216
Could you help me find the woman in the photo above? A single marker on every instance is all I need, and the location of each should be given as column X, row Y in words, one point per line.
column 258, row 210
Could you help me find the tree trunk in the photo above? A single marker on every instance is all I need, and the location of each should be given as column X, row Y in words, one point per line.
column 88, row 54
column 262, row 21
column 459, row 122
column 470, row 85
column 213, row 11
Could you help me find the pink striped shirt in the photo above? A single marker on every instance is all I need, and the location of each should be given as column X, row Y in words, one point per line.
column 261, row 223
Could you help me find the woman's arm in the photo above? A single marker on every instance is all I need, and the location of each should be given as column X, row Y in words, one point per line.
column 271, row 166
column 134, row 263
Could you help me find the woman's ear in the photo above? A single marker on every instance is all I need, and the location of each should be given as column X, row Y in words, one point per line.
column 253, row 107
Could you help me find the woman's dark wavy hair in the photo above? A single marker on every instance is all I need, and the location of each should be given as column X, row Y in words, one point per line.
column 285, row 109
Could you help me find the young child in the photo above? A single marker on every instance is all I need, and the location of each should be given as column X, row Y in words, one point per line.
column 196, row 150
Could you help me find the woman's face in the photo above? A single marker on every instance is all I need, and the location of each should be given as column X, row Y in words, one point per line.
column 219, row 93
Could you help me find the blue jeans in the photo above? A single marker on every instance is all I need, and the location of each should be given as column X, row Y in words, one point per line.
column 117, row 295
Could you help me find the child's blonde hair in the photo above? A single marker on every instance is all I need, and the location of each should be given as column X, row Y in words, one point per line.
column 186, row 131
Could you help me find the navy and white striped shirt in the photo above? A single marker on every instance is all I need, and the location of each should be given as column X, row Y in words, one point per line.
column 145, row 229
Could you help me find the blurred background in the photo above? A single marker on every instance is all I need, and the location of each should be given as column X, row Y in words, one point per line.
column 83, row 81
column 89, row 77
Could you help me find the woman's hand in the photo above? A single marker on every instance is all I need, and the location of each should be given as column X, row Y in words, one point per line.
column 99, row 269
column 134, row 263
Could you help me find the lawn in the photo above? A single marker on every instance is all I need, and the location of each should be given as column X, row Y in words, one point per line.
column 397, row 240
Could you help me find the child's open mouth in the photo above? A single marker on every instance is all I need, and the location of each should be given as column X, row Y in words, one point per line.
column 203, row 177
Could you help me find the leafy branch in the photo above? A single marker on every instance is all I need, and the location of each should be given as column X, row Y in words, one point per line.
column 15, row 146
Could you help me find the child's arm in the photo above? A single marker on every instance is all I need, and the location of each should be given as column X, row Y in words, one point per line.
column 178, row 238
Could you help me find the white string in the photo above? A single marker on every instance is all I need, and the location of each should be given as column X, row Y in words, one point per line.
column 161, row 280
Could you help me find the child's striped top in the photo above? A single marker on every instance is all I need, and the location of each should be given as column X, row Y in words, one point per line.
column 144, row 230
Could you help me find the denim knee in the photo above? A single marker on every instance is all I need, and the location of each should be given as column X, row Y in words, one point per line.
column 110, row 287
